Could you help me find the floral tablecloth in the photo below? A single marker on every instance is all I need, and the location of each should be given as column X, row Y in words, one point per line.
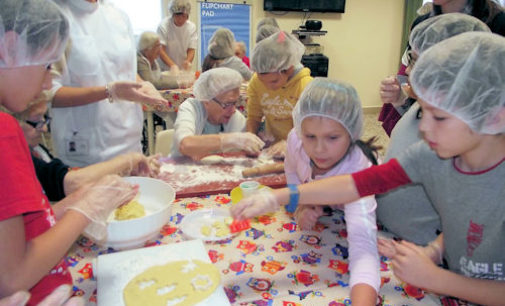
column 272, row 263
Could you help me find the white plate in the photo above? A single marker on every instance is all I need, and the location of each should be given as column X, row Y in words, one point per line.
column 193, row 222
column 115, row 270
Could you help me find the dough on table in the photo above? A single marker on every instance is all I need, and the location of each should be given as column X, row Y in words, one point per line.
column 212, row 159
column 131, row 210
column 184, row 282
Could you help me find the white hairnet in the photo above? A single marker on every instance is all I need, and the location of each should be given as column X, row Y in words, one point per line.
column 267, row 21
column 179, row 6
column 216, row 81
column 266, row 31
column 330, row 99
column 32, row 32
column 147, row 40
column 465, row 76
column 221, row 44
column 438, row 28
column 276, row 53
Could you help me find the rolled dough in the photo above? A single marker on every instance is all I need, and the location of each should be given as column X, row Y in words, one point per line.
column 212, row 159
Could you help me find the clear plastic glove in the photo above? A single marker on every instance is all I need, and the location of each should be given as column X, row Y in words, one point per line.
column 278, row 150
column 143, row 92
column 97, row 201
column 186, row 65
column 258, row 204
column 174, row 69
column 306, row 216
column 141, row 165
column 390, row 92
column 59, row 297
column 247, row 142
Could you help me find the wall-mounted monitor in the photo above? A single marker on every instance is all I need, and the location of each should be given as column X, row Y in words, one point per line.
column 324, row 6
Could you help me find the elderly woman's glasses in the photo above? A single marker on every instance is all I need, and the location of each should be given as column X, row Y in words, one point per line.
column 411, row 57
column 39, row 124
column 225, row 105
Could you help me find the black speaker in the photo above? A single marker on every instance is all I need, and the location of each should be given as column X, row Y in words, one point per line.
column 317, row 63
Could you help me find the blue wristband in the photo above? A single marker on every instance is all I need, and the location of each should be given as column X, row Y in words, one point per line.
column 294, row 196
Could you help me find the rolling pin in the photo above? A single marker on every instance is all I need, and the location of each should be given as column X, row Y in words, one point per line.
column 265, row 169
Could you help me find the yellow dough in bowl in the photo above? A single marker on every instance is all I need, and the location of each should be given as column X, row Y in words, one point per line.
column 184, row 282
column 131, row 210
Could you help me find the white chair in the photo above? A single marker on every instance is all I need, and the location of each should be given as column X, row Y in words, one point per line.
column 164, row 140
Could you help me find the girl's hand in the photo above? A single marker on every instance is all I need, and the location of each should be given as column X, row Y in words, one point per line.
column 386, row 247
column 258, row 204
column 306, row 216
column 412, row 265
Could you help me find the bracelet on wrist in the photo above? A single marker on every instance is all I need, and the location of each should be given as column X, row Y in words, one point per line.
column 108, row 94
column 294, row 196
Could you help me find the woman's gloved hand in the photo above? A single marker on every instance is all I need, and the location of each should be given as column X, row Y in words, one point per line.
column 143, row 92
column 247, row 142
column 96, row 202
column 306, row 216
column 278, row 150
column 141, row 165
column 390, row 92
column 258, row 204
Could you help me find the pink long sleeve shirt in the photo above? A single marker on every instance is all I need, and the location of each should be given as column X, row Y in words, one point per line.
column 364, row 261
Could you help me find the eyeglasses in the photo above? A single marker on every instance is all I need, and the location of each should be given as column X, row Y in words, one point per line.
column 225, row 105
column 39, row 124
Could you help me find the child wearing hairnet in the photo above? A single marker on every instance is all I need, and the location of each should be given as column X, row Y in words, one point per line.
column 222, row 54
column 407, row 212
column 459, row 85
column 325, row 142
column 35, row 235
column 209, row 122
column 276, row 85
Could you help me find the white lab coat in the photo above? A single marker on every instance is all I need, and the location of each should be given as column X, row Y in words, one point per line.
column 177, row 40
column 102, row 50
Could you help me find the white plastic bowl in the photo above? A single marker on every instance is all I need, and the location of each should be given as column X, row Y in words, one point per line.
column 157, row 197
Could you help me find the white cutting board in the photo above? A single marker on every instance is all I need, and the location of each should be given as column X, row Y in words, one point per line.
column 115, row 270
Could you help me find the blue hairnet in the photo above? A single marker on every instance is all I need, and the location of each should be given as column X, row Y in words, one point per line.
column 32, row 32
column 216, row 81
column 221, row 44
column 276, row 53
column 331, row 99
column 465, row 76
column 438, row 28
column 179, row 6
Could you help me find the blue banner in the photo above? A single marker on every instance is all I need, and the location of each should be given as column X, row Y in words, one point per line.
column 235, row 17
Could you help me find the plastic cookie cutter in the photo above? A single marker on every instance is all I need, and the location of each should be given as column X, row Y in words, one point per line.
column 240, row 225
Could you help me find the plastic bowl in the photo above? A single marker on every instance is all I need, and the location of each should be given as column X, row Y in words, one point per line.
column 157, row 197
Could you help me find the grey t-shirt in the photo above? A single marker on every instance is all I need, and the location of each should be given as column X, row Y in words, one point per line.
column 471, row 207
column 407, row 211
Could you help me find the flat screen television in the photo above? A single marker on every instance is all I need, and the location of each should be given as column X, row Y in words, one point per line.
column 332, row 6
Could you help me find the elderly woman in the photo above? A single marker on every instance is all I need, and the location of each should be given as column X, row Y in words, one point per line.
column 179, row 37
column 222, row 54
column 149, row 48
column 209, row 122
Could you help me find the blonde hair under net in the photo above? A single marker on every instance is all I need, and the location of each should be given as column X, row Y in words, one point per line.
column 32, row 32
column 331, row 99
column 465, row 76
column 221, row 44
column 276, row 53
column 441, row 27
column 216, row 81
column 179, row 6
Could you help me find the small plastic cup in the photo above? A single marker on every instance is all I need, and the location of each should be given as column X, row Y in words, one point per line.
column 249, row 188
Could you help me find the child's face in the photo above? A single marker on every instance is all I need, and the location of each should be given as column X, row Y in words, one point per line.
column 325, row 141
column 33, row 135
column 275, row 80
column 21, row 85
column 447, row 135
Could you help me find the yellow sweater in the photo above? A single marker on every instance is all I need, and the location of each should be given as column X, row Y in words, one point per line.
column 275, row 105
